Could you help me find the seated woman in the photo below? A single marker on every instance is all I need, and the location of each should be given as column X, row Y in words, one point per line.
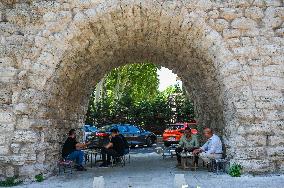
column 72, row 150
column 188, row 142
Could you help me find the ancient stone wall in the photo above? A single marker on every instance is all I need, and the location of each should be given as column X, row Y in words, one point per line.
column 228, row 53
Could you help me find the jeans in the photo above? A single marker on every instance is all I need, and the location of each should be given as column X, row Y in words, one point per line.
column 77, row 155
column 107, row 153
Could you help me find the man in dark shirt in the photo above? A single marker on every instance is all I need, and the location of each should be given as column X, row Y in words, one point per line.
column 71, row 150
column 114, row 148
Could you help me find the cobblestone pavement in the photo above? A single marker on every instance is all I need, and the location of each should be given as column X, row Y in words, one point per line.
column 148, row 169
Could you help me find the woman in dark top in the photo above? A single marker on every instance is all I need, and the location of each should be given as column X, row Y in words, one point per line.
column 71, row 150
column 114, row 148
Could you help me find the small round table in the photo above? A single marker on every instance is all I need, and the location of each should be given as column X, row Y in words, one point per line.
column 187, row 160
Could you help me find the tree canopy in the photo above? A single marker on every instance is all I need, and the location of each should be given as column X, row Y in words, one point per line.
column 130, row 94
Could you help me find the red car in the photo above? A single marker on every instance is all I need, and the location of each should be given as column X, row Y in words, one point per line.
column 174, row 132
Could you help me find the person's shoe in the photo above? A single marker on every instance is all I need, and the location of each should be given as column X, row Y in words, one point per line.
column 81, row 168
column 178, row 165
column 103, row 165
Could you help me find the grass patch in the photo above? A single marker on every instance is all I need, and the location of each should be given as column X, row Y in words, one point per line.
column 10, row 182
column 39, row 178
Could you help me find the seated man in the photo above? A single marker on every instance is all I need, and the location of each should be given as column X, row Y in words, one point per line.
column 212, row 149
column 114, row 148
column 126, row 145
column 188, row 142
column 71, row 150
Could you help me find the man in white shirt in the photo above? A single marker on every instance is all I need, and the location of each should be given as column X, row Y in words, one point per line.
column 212, row 149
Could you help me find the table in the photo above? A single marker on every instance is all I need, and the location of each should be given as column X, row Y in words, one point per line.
column 187, row 160
column 89, row 153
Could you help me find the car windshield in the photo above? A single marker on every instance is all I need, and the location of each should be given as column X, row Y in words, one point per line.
column 175, row 127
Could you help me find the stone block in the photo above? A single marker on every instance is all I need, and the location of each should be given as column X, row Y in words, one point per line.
column 2, row 139
column 18, row 159
column 21, row 108
column 256, row 166
column 28, row 148
column 24, row 136
column 27, row 170
column 250, row 52
column 261, row 129
column 231, row 13
column 49, row 17
column 17, row 17
column 277, row 151
column 7, row 127
column 179, row 181
column 99, row 182
column 6, row 117
column 5, row 97
column 279, row 12
column 269, row 50
column 40, row 158
column 274, row 70
column 213, row 14
column 15, row 147
column 4, row 159
column 243, row 23
column 23, row 123
column 256, row 140
column 254, row 13
column 249, row 153
column 276, row 140
column 10, row 171
column 4, row 150
column 219, row 24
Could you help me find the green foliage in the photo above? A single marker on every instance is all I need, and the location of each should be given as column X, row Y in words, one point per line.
column 9, row 182
column 39, row 178
column 235, row 170
column 139, row 81
column 130, row 95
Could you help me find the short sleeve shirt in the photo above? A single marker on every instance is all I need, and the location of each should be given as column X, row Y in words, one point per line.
column 69, row 146
column 118, row 144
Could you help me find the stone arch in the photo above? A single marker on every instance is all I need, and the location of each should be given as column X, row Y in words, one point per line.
column 72, row 45
column 92, row 43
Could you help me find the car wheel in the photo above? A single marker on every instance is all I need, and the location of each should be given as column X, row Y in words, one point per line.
column 167, row 144
column 149, row 142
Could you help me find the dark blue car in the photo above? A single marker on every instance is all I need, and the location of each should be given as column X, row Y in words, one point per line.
column 134, row 135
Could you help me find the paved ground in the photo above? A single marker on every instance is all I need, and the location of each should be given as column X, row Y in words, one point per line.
column 148, row 170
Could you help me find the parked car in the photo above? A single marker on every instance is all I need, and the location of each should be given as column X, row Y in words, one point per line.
column 135, row 135
column 89, row 130
column 174, row 132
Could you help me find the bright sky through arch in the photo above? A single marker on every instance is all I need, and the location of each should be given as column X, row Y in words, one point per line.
column 167, row 78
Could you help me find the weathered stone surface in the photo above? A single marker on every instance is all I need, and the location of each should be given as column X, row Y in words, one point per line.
column 243, row 23
column 15, row 147
column 231, row 13
column 24, row 136
column 254, row 13
column 229, row 55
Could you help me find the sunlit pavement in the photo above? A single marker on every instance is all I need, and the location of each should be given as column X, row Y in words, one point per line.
column 148, row 169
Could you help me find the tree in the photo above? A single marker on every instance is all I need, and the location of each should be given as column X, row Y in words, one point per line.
column 129, row 94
